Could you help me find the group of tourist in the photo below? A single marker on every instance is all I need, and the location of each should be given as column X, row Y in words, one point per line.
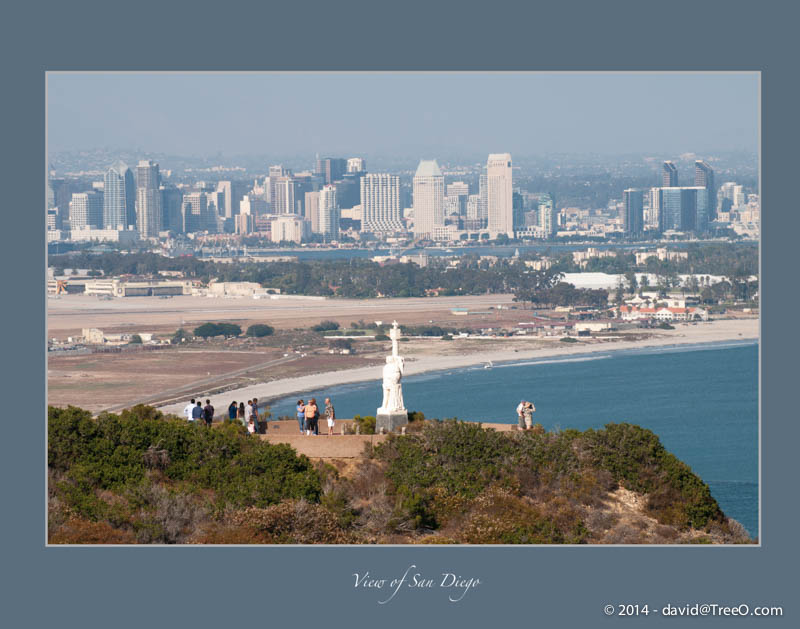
column 196, row 412
column 525, row 412
column 245, row 413
column 308, row 416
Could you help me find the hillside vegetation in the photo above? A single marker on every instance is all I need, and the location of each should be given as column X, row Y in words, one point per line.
column 142, row 477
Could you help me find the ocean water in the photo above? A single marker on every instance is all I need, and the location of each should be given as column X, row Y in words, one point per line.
column 701, row 400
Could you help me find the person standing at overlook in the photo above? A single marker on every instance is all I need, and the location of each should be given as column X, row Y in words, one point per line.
column 208, row 413
column 301, row 416
column 187, row 410
column 310, row 412
column 330, row 414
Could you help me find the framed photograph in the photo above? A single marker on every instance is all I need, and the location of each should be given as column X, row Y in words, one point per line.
column 428, row 337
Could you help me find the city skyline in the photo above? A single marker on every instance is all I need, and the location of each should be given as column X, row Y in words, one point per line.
column 373, row 113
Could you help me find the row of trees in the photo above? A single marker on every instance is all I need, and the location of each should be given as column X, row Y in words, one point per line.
column 228, row 330
column 356, row 278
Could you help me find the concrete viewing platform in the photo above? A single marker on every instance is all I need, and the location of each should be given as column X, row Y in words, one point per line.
column 336, row 446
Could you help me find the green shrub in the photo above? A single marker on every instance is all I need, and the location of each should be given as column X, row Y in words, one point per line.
column 462, row 457
column 208, row 330
column 259, row 330
column 568, row 339
column 635, row 457
column 115, row 452
column 381, row 337
column 366, row 425
column 324, row 326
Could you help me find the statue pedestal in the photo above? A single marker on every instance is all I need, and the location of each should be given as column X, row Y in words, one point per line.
column 390, row 421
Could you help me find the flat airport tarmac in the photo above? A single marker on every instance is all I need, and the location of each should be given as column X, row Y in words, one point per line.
column 68, row 314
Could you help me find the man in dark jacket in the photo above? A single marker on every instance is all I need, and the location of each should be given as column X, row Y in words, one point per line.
column 208, row 413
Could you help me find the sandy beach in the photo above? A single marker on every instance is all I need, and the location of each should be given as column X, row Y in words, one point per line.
column 683, row 334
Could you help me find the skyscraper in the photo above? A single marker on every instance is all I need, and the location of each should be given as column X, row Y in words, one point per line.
column 499, row 197
column 331, row 168
column 518, row 203
column 459, row 190
column 380, row 203
column 328, row 213
column 356, row 165
column 311, row 206
column 86, row 210
column 148, row 199
column 547, row 215
column 119, row 203
column 704, row 178
column 195, row 212
column 684, row 209
column 428, row 199
column 483, row 203
column 633, row 218
column 669, row 175
column 171, row 208
column 654, row 197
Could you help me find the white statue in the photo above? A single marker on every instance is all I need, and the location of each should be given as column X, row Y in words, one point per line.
column 392, row 375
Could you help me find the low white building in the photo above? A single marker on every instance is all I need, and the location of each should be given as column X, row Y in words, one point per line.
column 137, row 288
column 122, row 236
column 236, row 289
column 661, row 253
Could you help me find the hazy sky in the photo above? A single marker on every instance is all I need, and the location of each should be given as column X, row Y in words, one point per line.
column 403, row 113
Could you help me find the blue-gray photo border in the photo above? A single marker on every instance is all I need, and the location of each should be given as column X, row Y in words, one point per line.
column 302, row 587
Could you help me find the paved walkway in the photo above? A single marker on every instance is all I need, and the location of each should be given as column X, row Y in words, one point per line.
column 322, row 446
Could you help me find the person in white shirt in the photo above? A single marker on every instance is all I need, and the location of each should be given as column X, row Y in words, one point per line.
column 188, row 410
column 521, row 414
column 248, row 416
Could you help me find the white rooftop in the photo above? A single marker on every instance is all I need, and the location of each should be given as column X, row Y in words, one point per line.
column 428, row 168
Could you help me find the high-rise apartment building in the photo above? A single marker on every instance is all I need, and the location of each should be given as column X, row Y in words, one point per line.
column 428, row 199
column 548, row 224
column 328, row 213
column 380, row 204
column 652, row 220
column 704, row 178
column 148, row 199
column 669, row 175
column 633, row 211
column 86, row 210
column 499, row 195
column 119, row 197
column 283, row 195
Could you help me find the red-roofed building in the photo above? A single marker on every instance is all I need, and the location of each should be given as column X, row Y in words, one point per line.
column 632, row 313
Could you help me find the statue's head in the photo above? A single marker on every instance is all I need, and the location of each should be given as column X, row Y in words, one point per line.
column 389, row 360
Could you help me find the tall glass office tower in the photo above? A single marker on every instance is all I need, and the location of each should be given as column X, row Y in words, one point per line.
column 119, row 203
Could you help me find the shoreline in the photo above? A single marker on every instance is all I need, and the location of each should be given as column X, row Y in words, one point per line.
column 708, row 333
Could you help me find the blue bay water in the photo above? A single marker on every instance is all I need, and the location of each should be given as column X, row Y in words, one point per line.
column 701, row 400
